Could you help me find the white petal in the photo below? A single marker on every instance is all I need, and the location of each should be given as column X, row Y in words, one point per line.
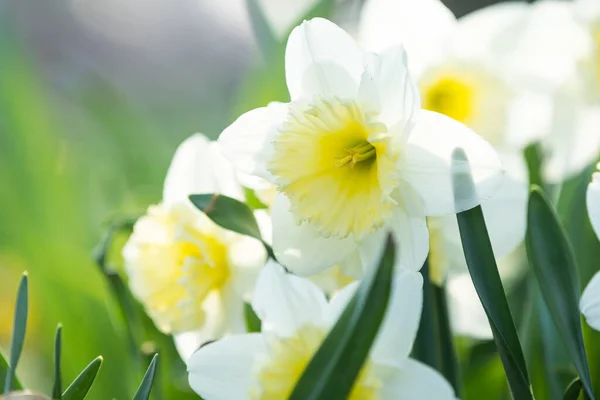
column 387, row 86
column 410, row 229
column 593, row 202
column 466, row 312
column 246, row 143
column 590, row 302
column 422, row 26
column 199, row 167
column 322, row 59
column 299, row 247
column 417, row 381
column 224, row 315
column 284, row 302
column 485, row 32
column 426, row 163
column 224, row 370
column 401, row 321
column 247, row 256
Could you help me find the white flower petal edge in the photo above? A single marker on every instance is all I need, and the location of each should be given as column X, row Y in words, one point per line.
column 421, row 26
column 224, row 370
column 284, row 302
column 321, row 58
column 427, row 163
column 593, row 202
column 198, row 167
column 417, row 381
column 246, row 143
column 590, row 302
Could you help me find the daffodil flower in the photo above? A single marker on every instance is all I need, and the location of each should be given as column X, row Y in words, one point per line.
column 590, row 299
column 191, row 275
column 353, row 155
column 296, row 317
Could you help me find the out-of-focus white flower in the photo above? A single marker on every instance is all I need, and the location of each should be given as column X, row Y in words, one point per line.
column 353, row 155
column 191, row 275
column 590, row 299
column 295, row 319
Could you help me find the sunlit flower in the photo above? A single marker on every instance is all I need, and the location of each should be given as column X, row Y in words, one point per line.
column 514, row 72
column 191, row 275
column 295, row 319
column 590, row 299
column 353, row 155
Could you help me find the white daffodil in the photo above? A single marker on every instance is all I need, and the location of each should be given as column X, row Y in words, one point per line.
column 353, row 155
column 295, row 319
column 191, row 275
column 590, row 299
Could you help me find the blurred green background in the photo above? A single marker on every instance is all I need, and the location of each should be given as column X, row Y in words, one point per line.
column 95, row 95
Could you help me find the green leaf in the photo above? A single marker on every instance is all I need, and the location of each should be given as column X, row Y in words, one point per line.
column 4, row 370
column 143, row 392
column 486, row 279
column 18, row 333
column 80, row 387
column 265, row 37
column 57, row 385
column 253, row 323
column 449, row 363
column 333, row 369
column 574, row 390
column 426, row 346
column 552, row 262
column 230, row 214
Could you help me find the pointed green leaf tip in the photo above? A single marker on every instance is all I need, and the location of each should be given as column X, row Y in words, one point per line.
column 143, row 392
column 57, row 385
column 486, row 279
column 553, row 264
column 80, row 387
column 331, row 372
column 18, row 334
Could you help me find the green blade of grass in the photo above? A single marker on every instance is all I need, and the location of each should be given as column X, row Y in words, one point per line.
column 18, row 333
column 333, row 369
column 553, row 264
column 80, row 387
column 486, row 279
column 143, row 392
column 57, row 384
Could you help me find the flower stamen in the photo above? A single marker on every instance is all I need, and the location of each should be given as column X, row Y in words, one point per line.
column 362, row 152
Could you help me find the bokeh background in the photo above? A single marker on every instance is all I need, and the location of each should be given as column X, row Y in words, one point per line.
column 95, row 95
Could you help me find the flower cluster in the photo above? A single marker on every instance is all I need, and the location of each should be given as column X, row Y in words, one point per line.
column 363, row 150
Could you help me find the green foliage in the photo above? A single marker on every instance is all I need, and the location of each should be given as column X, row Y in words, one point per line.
column 57, row 386
column 80, row 387
column 574, row 390
column 553, row 264
column 143, row 392
column 18, row 334
column 332, row 370
column 484, row 273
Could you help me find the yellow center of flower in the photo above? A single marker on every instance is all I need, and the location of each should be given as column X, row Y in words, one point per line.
column 337, row 166
column 279, row 372
column 173, row 266
column 449, row 96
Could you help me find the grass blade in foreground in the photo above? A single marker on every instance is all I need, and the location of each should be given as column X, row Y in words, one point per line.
column 57, row 386
column 143, row 392
column 333, row 369
column 230, row 214
column 484, row 273
column 573, row 391
column 552, row 262
column 18, row 333
column 80, row 387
